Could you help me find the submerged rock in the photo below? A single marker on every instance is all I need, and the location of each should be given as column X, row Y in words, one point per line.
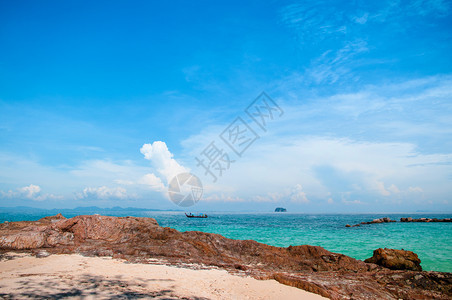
column 396, row 259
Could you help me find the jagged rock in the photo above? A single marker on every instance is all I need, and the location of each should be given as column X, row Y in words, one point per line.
column 396, row 259
column 139, row 239
column 375, row 221
column 52, row 219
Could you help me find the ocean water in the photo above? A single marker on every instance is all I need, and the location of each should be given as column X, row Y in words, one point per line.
column 431, row 241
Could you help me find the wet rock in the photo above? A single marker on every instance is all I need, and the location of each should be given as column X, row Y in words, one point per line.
column 396, row 259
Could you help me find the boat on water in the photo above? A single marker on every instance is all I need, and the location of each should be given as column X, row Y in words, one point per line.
column 190, row 215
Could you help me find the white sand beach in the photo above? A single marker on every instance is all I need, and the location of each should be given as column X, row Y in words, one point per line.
column 75, row 277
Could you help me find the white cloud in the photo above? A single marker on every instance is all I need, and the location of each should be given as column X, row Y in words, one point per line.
column 124, row 182
column 314, row 21
column 349, row 202
column 394, row 189
column 103, row 193
column 162, row 159
column 223, row 198
column 372, row 140
column 362, row 19
column 334, row 65
column 391, row 190
column 381, row 188
column 163, row 162
column 30, row 192
column 326, row 167
column 415, row 189
column 294, row 194
column 298, row 195
column 153, row 182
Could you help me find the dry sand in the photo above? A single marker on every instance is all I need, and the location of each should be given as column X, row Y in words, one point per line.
column 78, row 277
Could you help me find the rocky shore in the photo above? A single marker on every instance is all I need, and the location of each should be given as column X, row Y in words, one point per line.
column 311, row 268
column 409, row 219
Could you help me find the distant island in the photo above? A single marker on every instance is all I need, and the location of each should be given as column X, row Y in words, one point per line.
column 280, row 209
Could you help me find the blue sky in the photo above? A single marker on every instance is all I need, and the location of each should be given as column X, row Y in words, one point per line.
column 366, row 90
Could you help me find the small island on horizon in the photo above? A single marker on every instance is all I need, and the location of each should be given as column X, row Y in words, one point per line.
column 280, row 209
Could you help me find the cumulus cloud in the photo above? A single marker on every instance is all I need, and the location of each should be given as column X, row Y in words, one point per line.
column 103, row 193
column 30, row 192
column 164, row 164
column 153, row 182
column 298, row 195
column 316, row 169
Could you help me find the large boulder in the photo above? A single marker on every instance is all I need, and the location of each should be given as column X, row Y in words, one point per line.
column 396, row 259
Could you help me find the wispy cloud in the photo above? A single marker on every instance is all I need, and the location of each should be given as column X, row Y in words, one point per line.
column 353, row 154
column 104, row 193
column 314, row 21
column 334, row 65
column 30, row 192
column 338, row 38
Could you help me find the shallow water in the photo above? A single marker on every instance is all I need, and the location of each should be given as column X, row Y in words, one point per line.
column 431, row 241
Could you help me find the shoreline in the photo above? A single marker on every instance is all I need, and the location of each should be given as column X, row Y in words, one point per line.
column 77, row 276
column 309, row 268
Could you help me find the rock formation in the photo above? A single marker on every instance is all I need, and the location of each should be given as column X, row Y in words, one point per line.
column 375, row 221
column 142, row 240
column 396, row 259
column 409, row 219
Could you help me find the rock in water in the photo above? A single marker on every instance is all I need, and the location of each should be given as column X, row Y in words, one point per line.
column 396, row 259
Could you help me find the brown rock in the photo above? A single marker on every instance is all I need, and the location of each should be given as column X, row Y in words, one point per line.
column 308, row 267
column 54, row 218
column 396, row 259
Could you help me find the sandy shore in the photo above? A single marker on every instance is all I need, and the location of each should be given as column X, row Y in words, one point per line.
column 76, row 277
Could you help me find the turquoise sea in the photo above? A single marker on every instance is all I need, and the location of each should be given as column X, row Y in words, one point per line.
column 431, row 241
